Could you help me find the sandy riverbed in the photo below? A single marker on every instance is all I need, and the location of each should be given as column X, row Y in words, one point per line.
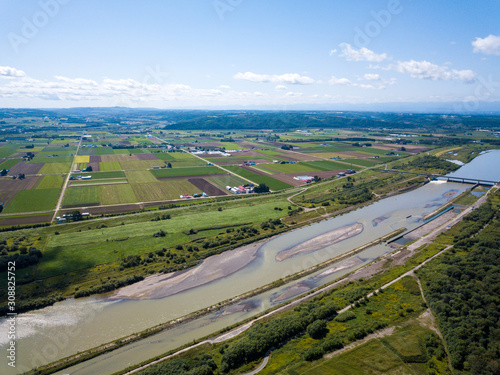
column 319, row 242
column 212, row 268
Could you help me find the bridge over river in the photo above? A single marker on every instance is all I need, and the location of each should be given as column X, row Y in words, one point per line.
column 463, row 180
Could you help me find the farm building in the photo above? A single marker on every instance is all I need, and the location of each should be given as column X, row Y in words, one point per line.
column 305, row 179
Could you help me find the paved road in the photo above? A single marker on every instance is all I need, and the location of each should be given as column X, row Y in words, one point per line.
column 61, row 196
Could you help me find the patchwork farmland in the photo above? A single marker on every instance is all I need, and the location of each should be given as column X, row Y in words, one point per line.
column 112, row 172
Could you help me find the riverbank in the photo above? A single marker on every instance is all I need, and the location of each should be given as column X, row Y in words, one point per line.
column 321, row 241
column 210, row 269
column 108, row 347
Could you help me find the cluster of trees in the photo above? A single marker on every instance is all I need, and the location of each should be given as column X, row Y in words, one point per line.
column 108, row 286
column 463, row 291
column 200, row 365
column 262, row 188
column 429, row 163
column 273, row 333
column 25, row 259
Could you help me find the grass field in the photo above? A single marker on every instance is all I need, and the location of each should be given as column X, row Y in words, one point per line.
column 164, row 190
column 7, row 150
column 223, row 181
column 67, row 252
column 140, row 164
column 9, row 163
column 109, row 166
column 164, row 156
column 363, row 162
column 291, row 168
column 102, row 151
column 82, row 159
column 116, row 194
column 55, row 159
column 54, row 168
column 264, row 168
column 191, row 171
column 259, row 179
column 102, row 175
column 33, row 200
column 327, row 165
column 140, row 177
column 101, row 181
column 51, row 182
column 129, row 151
column 81, row 196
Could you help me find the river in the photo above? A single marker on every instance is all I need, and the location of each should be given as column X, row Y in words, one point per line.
column 75, row 325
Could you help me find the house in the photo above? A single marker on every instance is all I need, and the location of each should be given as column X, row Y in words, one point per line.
column 86, row 177
column 305, row 179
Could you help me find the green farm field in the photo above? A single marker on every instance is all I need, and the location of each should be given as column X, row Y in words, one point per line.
column 33, row 200
column 140, row 177
column 102, row 175
column 116, row 194
column 54, row 168
column 363, row 162
column 192, row 171
column 9, row 163
column 51, row 182
column 47, row 160
column 67, row 252
column 223, row 181
column 81, row 196
column 102, row 181
column 291, row 168
column 109, row 166
column 259, row 179
column 140, row 164
column 164, row 190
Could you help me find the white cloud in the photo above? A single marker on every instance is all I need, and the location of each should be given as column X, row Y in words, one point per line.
column 372, row 77
column 224, row 87
column 281, row 87
column 7, row 71
column 363, row 54
column 489, row 45
column 427, row 70
column 293, row 94
column 339, row 81
column 290, row 78
column 333, row 52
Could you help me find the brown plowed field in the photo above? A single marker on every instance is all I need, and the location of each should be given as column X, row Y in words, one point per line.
column 144, row 157
column 207, row 187
column 95, row 167
column 9, row 187
column 8, row 222
column 95, row 159
column 22, row 167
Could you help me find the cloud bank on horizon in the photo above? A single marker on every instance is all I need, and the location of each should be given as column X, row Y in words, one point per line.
column 258, row 54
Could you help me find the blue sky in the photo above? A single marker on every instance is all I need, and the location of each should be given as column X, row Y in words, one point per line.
column 248, row 53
